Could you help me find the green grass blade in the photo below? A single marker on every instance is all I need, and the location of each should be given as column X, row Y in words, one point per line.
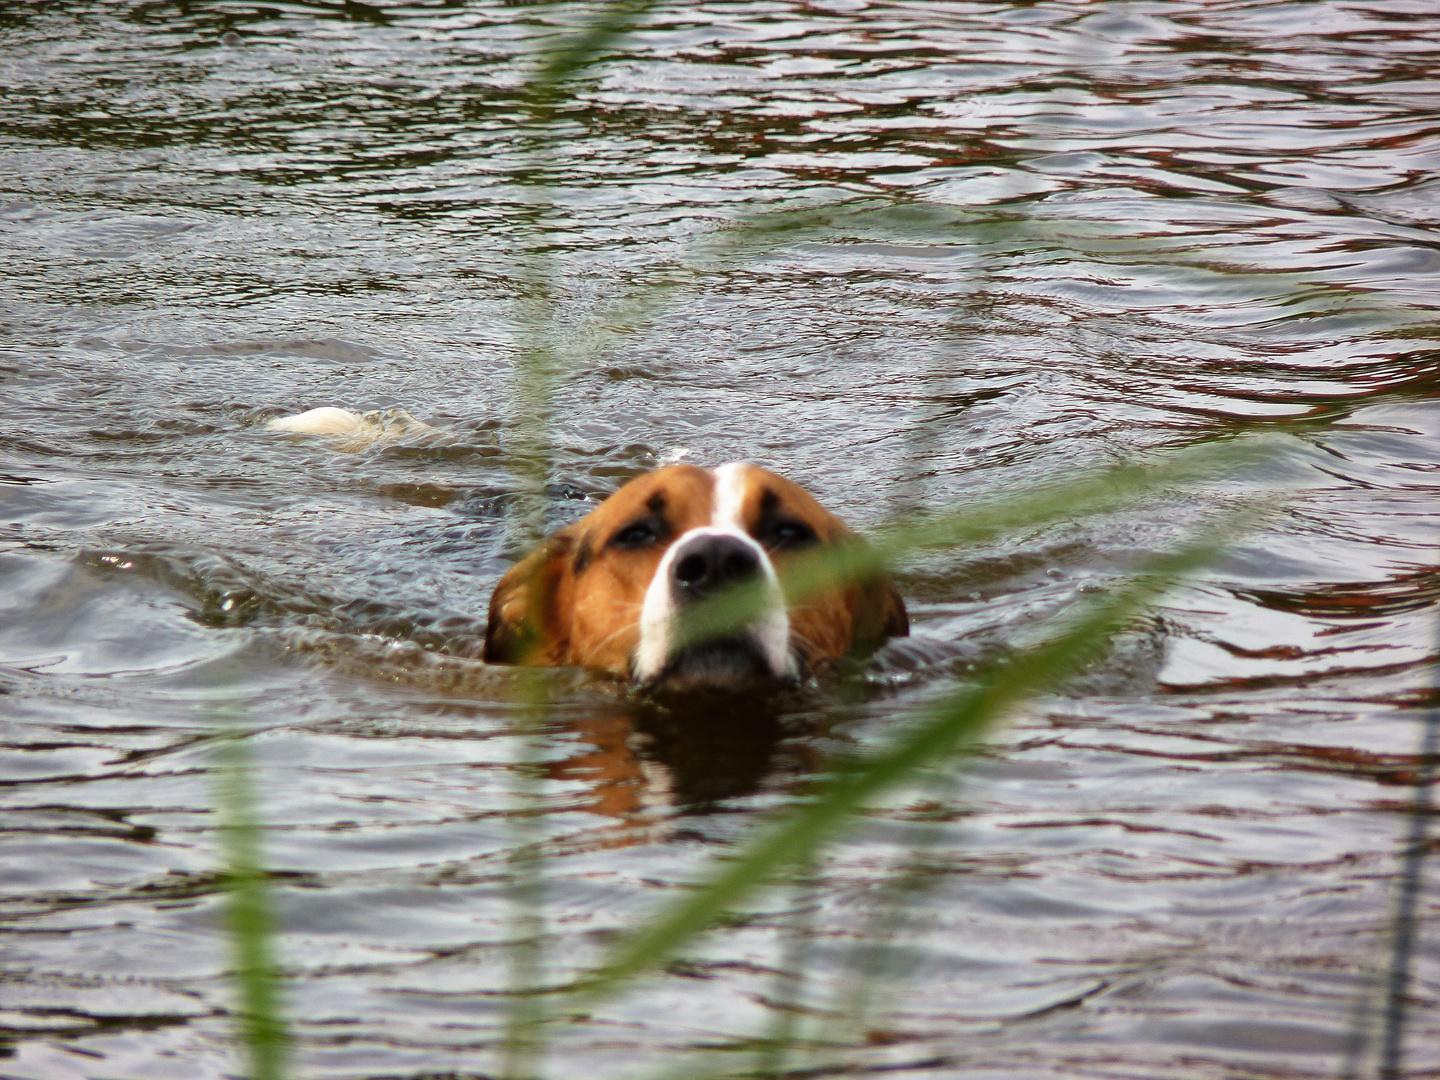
column 1070, row 496
column 573, row 53
column 523, row 1043
column 774, row 1046
column 873, row 958
column 953, row 723
column 250, row 921
column 987, row 233
column 538, row 366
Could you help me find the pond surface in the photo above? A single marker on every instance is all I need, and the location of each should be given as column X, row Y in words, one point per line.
column 1072, row 234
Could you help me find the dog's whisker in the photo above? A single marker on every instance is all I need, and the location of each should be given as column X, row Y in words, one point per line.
column 802, row 639
column 590, row 655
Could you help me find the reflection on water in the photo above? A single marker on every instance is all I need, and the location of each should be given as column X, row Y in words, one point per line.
column 1058, row 234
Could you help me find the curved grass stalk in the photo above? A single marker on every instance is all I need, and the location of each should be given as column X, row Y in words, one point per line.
column 940, row 730
column 1071, row 496
column 538, row 366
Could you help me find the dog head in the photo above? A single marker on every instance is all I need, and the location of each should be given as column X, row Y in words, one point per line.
column 608, row 592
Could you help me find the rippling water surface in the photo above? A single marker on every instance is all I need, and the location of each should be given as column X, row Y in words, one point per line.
column 1068, row 233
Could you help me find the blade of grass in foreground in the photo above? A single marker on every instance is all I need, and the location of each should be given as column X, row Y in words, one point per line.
column 990, row 234
column 874, row 958
column 1070, row 496
column 573, row 53
column 941, row 729
column 536, row 370
column 523, row 1043
column 788, row 983
column 262, row 1030
column 539, row 360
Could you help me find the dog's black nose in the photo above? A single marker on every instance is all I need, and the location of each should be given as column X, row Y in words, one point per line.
column 710, row 563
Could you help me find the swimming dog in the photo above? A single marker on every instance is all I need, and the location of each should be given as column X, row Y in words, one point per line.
column 608, row 592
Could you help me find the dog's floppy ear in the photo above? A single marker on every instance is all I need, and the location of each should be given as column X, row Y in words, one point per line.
column 882, row 615
column 897, row 619
column 524, row 625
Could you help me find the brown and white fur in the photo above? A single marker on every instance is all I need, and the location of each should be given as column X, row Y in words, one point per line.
column 607, row 592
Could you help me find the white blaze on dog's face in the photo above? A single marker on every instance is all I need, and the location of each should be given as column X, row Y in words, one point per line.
column 608, row 592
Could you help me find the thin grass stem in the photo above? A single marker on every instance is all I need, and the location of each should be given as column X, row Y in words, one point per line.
column 261, row 1028
column 788, row 985
column 942, row 729
column 538, row 368
column 890, row 915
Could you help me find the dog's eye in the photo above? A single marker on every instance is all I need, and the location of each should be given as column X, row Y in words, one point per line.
column 788, row 534
column 638, row 534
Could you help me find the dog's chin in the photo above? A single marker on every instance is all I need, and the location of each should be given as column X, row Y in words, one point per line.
column 723, row 666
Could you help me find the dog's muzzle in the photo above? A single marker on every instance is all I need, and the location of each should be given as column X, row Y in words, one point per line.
column 702, row 564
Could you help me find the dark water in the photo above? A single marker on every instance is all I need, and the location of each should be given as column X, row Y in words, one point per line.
column 1092, row 230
